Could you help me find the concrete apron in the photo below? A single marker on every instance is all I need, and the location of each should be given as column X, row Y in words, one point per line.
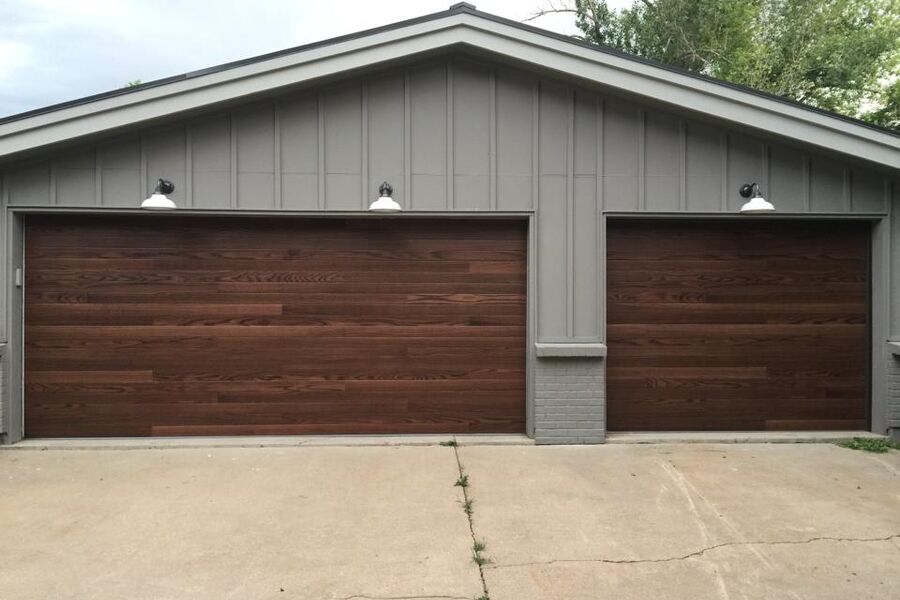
column 692, row 521
column 274, row 441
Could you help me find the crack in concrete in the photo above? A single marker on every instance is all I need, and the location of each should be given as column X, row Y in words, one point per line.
column 695, row 554
column 465, row 491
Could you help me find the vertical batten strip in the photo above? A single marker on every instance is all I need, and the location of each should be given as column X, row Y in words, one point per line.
column 143, row 170
column 848, row 190
column 232, row 133
column 535, row 144
column 536, row 198
column 450, row 200
column 320, row 157
column 600, row 223
column 570, row 217
column 766, row 170
column 492, row 128
column 806, row 183
column 682, row 164
column 364, row 145
column 188, row 166
column 52, row 182
column 407, row 140
column 98, row 177
column 4, row 194
column 276, row 153
column 642, row 159
column 601, row 111
column 723, row 150
column 886, row 205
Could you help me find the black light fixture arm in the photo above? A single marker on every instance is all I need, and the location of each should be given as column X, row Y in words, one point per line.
column 164, row 187
column 749, row 189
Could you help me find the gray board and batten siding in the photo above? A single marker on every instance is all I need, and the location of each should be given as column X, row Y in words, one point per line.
column 466, row 136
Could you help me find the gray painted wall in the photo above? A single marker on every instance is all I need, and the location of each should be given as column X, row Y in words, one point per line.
column 458, row 135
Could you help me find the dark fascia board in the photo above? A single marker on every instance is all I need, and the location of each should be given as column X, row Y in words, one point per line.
column 455, row 10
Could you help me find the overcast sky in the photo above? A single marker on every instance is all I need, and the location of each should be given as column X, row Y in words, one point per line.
column 57, row 50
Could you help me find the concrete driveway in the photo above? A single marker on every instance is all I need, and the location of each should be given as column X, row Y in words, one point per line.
column 620, row 521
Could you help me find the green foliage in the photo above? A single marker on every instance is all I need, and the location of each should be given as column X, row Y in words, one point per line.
column 478, row 547
column 449, row 443
column 462, row 482
column 876, row 445
column 134, row 83
column 839, row 55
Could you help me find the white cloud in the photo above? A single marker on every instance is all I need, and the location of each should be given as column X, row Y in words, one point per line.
column 14, row 58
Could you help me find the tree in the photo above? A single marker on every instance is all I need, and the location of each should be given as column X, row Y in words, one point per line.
column 839, row 55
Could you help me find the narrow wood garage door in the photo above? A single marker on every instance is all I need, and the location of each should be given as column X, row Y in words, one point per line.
column 164, row 325
column 738, row 325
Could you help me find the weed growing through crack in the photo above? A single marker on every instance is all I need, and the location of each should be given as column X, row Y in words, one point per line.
column 449, row 443
column 478, row 547
column 483, row 597
column 467, row 506
column 462, row 482
column 875, row 445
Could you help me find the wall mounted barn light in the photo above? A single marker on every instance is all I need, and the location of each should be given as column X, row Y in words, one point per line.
column 158, row 199
column 756, row 204
column 385, row 203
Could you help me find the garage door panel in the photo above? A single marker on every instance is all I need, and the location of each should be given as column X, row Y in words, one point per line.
column 737, row 325
column 737, row 313
column 756, row 294
column 179, row 326
column 686, row 240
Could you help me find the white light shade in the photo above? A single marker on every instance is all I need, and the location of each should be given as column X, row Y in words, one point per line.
column 158, row 201
column 756, row 205
column 385, row 204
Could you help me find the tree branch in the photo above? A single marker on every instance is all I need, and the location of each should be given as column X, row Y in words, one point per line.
column 552, row 9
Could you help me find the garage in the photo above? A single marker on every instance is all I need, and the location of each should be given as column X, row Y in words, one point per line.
column 737, row 325
column 160, row 326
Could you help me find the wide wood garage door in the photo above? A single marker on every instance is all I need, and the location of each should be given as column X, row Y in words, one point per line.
column 737, row 325
column 164, row 325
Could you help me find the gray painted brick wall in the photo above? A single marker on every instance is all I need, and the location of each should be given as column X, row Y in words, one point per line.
column 569, row 403
column 893, row 407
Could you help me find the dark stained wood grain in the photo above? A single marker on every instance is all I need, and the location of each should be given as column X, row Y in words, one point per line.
column 737, row 325
column 169, row 325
